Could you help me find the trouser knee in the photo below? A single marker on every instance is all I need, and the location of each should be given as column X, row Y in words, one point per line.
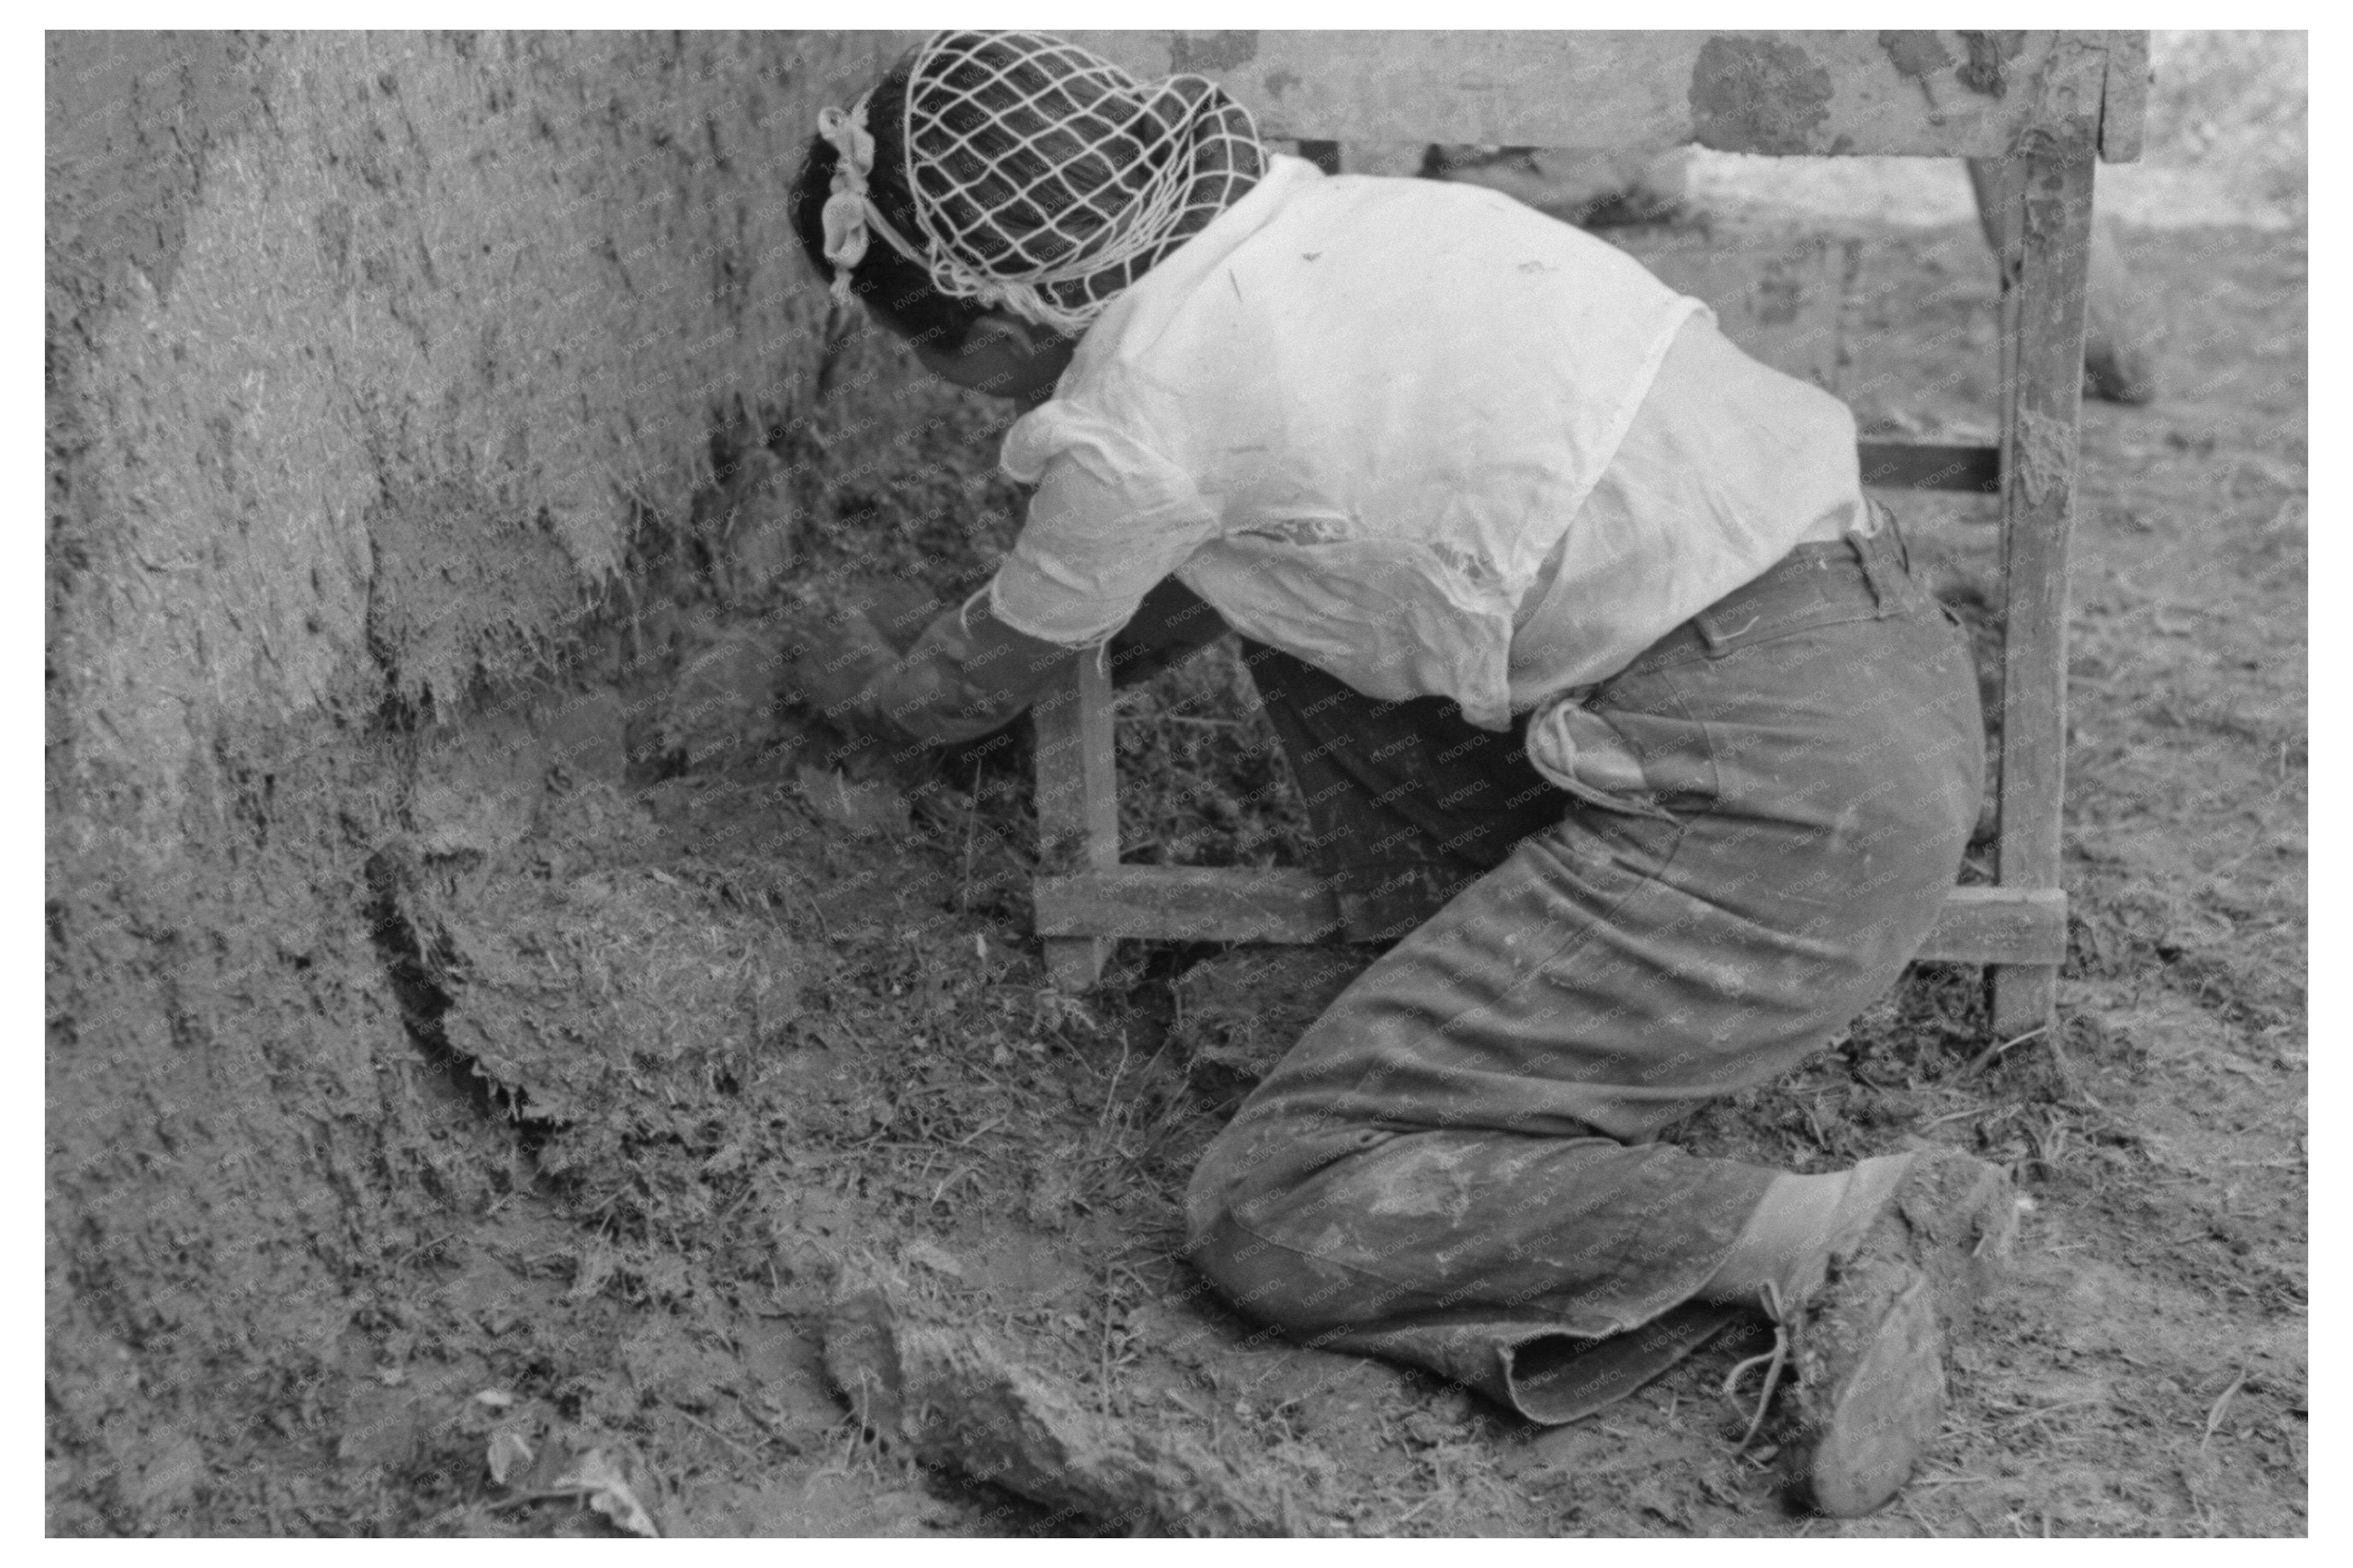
column 1251, row 1208
column 1232, row 1199
column 1210, row 1196
column 1245, row 1269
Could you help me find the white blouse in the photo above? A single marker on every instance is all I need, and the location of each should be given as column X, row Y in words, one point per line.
column 1419, row 436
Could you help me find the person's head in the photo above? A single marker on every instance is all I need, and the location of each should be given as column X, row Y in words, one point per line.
column 993, row 192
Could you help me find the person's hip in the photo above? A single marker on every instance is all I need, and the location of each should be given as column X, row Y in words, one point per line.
column 1831, row 688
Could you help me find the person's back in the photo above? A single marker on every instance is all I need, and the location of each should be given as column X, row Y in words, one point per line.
column 1393, row 394
column 1526, row 456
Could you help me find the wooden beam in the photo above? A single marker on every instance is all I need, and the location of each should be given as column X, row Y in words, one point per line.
column 2000, row 925
column 2039, row 500
column 2124, row 97
column 1188, row 903
column 1823, row 93
column 1078, row 805
column 1195, row 903
column 1927, row 94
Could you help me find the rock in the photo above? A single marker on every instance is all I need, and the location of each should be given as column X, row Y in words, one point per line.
column 953, row 1396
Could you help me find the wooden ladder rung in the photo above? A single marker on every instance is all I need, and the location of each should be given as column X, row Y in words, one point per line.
column 1197, row 903
column 1187, row 903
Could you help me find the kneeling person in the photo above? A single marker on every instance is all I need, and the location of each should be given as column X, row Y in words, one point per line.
column 1615, row 704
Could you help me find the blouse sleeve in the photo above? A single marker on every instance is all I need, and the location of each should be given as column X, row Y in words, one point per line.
column 1112, row 516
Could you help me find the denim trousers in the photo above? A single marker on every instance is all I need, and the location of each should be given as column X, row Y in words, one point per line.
column 1456, row 1165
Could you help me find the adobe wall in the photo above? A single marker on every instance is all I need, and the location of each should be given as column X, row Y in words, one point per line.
column 365, row 353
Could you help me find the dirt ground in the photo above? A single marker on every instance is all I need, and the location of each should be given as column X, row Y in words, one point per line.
column 724, row 1026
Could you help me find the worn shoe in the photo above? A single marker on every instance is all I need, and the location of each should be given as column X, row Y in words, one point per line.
column 1868, row 1346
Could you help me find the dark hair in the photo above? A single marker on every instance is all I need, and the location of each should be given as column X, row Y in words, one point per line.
column 896, row 290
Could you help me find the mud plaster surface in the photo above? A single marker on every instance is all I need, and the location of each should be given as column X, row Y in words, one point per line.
column 349, row 342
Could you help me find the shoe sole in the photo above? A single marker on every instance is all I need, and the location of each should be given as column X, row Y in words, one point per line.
column 1870, row 1375
column 1864, row 1439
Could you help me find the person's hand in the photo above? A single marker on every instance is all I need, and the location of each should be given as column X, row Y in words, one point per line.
column 893, row 662
column 832, row 666
column 834, row 663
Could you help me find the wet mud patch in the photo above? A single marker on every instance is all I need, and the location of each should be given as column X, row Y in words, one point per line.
column 604, row 997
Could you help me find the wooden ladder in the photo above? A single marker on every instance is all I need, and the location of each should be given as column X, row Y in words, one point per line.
column 2045, row 102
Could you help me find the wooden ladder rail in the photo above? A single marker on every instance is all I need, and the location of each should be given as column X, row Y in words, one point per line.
column 2044, row 399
